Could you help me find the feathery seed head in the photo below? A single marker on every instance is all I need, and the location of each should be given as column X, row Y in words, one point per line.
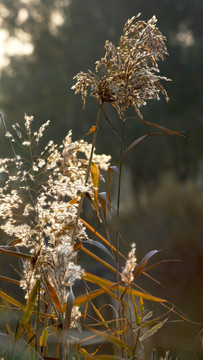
column 39, row 207
column 131, row 263
column 130, row 70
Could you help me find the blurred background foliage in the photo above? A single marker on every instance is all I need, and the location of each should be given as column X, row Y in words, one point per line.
column 46, row 43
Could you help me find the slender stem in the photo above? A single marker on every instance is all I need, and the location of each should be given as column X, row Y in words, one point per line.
column 118, row 198
column 88, row 172
column 37, row 323
column 118, row 217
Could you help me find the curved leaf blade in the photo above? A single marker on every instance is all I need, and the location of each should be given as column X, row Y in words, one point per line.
column 144, row 262
column 98, row 244
column 10, row 299
column 153, row 330
column 53, row 295
column 106, row 283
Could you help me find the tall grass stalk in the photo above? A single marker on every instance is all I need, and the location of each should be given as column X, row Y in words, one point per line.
column 118, row 222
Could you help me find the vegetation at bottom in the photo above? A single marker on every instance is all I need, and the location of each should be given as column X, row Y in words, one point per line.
column 69, row 311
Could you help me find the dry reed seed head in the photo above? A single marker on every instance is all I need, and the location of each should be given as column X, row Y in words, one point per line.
column 131, row 263
column 130, row 70
column 45, row 226
column 28, row 123
column 167, row 356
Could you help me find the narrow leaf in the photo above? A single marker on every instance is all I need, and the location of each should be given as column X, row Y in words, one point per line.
column 17, row 254
column 144, row 262
column 168, row 131
column 15, row 242
column 43, row 337
column 82, row 299
column 91, row 200
column 105, row 241
column 103, row 207
column 98, row 259
column 104, row 197
column 88, row 356
column 113, row 339
column 148, row 316
column 13, row 281
column 95, row 181
column 134, row 143
column 153, row 330
column 30, row 335
column 100, row 316
column 98, row 244
column 110, row 293
column 106, row 283
column 53, row 295
column 10, row 299
column 69, row 306
column 107, row 357
column 141, row 303
column 137, row 317
column 28, row 309
column 73, row 201
column 114, row 169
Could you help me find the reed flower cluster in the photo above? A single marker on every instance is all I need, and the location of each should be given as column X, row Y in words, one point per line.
column 130, row 71
column 39, row 205
column 130, row 265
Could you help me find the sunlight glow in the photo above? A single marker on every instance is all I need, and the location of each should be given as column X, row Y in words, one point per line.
column 14, row 46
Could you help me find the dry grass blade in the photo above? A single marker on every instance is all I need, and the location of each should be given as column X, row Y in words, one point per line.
column 53, row 295
column 13, row 281
column 10, row 299
column 166, row 130
column 103, row 322
column 28, row 309
column 108, row 291
column 153, row 330
column 43, row 337
column 88, row 356
column 30, row 335
column 105, row 241
column 134, row 143
column 69, row 306
column 106, row 283
column 137, row 141
column 97, row 244
column 136, row 312
column 82, row 299
column 112, row 339
column 144, row 262
column 16, row 254
column 98, row 259
column 95, row 179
